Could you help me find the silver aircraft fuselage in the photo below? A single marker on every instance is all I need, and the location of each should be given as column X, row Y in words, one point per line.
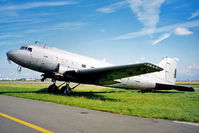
column 50, row 60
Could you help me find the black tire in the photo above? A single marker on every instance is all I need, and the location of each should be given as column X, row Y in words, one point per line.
column 63, row 89
column 52, row 89
column 66, row 90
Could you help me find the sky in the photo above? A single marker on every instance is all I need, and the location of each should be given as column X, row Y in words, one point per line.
column 118, row 31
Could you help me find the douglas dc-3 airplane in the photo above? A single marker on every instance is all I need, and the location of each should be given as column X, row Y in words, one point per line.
column 69, row 67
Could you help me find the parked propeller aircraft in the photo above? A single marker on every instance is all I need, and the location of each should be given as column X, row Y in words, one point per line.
column 69, row 67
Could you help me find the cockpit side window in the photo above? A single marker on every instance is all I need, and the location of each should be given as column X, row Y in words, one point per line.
column 23, row 48
column 30, row 49
column 26, row 48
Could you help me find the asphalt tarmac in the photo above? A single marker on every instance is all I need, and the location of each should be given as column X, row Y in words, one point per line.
column 34, row 116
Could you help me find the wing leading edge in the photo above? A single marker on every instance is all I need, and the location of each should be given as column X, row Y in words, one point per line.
column 107, row 75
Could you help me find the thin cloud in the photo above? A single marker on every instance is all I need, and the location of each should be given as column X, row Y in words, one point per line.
column 168, row 28
column 143, row 58
column 5, row 36
column 58, row 26
column 66, row 25
column 35, row 5
column 190, row 70
column 193, row 15
column 32, row 30
column 147, row 11
column 182, row 31
column 113, row 7
column 11, row 42
column 134, row 34
column 163, row 37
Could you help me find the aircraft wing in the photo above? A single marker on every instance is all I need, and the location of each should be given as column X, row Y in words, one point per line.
column 107, row 75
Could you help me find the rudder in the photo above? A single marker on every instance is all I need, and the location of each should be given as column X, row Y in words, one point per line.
column 170, row 68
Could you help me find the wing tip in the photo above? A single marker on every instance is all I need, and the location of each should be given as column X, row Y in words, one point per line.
column 153, row 66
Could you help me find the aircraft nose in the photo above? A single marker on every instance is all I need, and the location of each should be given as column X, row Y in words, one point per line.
column 18, row 56
column 15, row 55
column 11, row 54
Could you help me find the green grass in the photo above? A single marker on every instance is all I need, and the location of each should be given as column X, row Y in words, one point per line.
column 174, row 105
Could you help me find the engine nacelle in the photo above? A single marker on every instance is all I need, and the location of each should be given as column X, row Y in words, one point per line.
column 139, row 82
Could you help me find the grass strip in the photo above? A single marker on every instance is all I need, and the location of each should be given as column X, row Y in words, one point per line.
column 173, row 105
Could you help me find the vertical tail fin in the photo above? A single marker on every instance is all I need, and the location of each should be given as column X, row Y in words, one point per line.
column 169, row 73
column 168, row 76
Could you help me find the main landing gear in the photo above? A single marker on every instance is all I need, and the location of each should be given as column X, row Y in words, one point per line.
column 53, row 88
column 66, row 90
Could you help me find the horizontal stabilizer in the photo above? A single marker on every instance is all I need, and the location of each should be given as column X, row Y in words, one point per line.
column 172, row 87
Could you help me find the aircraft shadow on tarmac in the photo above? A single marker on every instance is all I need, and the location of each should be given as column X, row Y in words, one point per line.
column 94, row 95
column 88, row 95
column 162, row 91
column 45, row 90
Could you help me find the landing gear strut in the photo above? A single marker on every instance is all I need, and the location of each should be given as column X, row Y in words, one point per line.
column 53, row 88
column 66, row 90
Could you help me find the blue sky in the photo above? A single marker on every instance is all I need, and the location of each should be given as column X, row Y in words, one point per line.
column 120, row 31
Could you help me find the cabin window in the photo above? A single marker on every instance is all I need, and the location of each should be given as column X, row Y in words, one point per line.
column 83, row 65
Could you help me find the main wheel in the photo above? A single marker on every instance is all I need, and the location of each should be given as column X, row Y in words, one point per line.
column 66, row 90
column 52, row 89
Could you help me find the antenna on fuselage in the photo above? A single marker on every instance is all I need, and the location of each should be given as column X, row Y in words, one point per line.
column 36, row 42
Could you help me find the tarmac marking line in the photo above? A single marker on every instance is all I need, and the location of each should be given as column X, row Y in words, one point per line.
column 26, row 123
column 187, row 123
